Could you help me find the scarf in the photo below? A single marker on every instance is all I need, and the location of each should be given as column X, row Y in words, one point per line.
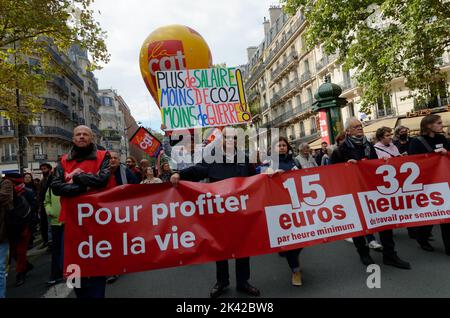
column 353, row 141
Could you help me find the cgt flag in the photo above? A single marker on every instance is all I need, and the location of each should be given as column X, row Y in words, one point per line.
column 146, row 142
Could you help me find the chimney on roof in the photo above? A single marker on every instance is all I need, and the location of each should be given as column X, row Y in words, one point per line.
column 251, row 50
column 274, row 12
column 266, row 24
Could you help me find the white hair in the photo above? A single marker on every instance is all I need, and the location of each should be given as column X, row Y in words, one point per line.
column 303, row 145
column 349, row 121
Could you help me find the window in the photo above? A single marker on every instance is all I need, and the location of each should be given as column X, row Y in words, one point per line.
column 313, row 125
column 306, row 66
column 309, row 94
column 7, row 123
column 351, row 110
column 298, row 101
column 9, row 150
column 37, row 121
column 37, row 150
column 107, row 101
column 302, row 129
column 384, row 107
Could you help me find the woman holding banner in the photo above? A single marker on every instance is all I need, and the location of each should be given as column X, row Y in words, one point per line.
column 287, row 162
column 431, row 140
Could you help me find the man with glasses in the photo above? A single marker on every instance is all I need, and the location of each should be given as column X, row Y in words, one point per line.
column 354, row 148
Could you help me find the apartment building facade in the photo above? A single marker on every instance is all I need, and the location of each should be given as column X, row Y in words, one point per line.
column 112, row 126
column 71, row 99
column 282, row 76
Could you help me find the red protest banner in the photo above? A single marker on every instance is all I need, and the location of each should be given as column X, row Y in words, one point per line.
column 146, row 142
column 142, row 227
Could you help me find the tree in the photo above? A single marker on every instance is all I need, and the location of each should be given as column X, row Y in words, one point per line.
column 29, row 31
column 381, row 40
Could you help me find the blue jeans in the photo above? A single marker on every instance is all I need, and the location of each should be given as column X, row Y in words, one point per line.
column 3, row 261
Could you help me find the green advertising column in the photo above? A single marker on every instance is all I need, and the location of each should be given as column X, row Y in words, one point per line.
column 328, row 104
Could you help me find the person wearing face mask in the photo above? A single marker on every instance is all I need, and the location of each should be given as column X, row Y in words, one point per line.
column 228, row 167
column 402, row 140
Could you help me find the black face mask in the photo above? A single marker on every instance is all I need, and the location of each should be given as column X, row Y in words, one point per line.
column 403, row 137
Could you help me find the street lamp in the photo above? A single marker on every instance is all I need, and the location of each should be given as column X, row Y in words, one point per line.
column 329, row 104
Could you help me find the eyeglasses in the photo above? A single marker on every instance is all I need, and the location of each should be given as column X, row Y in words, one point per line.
column 357, row 127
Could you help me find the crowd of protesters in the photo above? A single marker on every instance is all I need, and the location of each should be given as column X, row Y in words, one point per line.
column 28, row 204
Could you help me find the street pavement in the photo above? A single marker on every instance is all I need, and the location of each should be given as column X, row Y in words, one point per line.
column 330, row 270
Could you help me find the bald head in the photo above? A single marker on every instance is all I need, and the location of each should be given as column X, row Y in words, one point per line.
column 82, row 136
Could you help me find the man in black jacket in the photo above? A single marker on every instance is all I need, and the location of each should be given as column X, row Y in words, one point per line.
column 84, row 169
column 230, row 167
column 356, row 147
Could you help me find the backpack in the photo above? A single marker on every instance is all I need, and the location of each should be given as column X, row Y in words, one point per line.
column 425, row 144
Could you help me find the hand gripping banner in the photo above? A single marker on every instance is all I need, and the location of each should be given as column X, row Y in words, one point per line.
column 135, row 228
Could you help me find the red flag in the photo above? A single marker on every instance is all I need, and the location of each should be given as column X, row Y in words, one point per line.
column 146, row 142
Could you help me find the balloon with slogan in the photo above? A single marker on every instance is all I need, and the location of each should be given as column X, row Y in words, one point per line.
column 171, row 48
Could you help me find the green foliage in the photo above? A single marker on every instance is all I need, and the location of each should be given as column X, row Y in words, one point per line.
column 27, row 29
column 381, row 40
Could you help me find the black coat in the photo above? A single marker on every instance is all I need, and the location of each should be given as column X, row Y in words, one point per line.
column 438, row 141
column 218, row 171
column 348, row 151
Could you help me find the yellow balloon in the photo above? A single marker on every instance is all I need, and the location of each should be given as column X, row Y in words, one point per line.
column 170, row 48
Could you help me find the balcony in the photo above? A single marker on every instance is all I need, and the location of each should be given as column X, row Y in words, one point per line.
column 305, row 77
column 95, row 96
column 40, row 157
column 95, row 129
column 252, row 95
column 296, row 26
column 67, row 65
column 255, row 75
column 75, row 117
column 347, row 85
column 9, row 159
column 7, row 131
column 51, row 103
column 325, row 60
column 285, row 67
column 94, row 111
column 48, row 131
column 285, row 92
column 61, row 85
column 293, row 114
column 91, row 76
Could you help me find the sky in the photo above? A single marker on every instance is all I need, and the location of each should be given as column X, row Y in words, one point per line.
column 229, row 27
